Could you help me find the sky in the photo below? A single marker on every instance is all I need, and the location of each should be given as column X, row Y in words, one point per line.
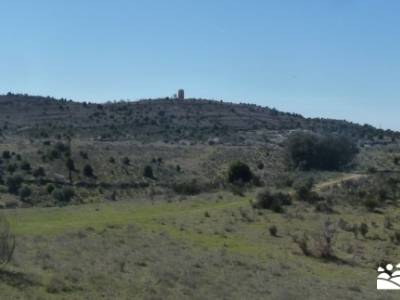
column 320, row 58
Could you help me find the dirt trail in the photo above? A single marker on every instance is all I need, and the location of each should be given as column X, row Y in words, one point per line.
column 344, row 178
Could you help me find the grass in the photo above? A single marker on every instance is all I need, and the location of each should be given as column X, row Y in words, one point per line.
column 220, row 239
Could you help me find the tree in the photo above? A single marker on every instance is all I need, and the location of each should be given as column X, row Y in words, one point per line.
column 71, row 167
column 25, row 192
column 308, row 151
column 14, row 183
column 63, row 195
column 39, row 172
column 88, row 171
column 148, row 172
column 239, row 172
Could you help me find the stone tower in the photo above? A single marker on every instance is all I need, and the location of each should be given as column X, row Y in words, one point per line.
column 181, row 94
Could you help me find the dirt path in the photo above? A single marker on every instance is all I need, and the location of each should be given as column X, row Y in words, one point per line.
column 340, row 180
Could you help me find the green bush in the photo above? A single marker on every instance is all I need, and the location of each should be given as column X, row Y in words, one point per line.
column 308, row 151
column 239, row 173
column 25, row 192
column 187, row 188
column 148, row 172
column 39, row 172
column 26, row 166
column 272, row 201
column 50, row 188
column 6, row 154
column 64, row 194
column 88, row 171
column 13, row 184
column 273, row 231
column 371, row 204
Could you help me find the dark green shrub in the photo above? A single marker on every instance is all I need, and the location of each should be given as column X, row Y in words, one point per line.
column 26, row 166
column 6, row 154
column 371, row 204
column 310, row 151
column 88, row 171
column 64, row 194
column 273, row 231
column 126, row 161
column 84, row 155
column 70, row 164
column 305, row 193
column 11, row 168
column 39, row 172
column 272, row 201
column 50, row 188
column 239, row 173
column 363, row 229
column 13, row 184
column 25, row 192
column 187, row 188
column 148, row 172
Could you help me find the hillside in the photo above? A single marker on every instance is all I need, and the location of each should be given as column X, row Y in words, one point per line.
column 192, row 199
column 169, row 120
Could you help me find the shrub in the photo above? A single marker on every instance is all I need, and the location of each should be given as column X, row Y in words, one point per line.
column 39, row 172
column 187, row 188
column 64, row 194
column 88, row 171
column 26, row 166
column 70, row 164
column 25, row 192
column 126, row 161
column 305, row 193
column 363, row 229
column 50, row 188
column 239, row 173
column 6, row 154
column 13, row 184
column 273, row 231
column 148, row 172
column 310, row 151
column 11, row 168
column 272, row 201
column 84, row 155
column 371, row 204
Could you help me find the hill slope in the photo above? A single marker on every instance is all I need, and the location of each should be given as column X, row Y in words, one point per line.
column 162, row 119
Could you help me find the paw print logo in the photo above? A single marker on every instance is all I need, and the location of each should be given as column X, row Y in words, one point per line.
column 388, row 278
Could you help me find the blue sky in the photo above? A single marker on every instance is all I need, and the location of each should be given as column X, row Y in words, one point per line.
column 320, row 58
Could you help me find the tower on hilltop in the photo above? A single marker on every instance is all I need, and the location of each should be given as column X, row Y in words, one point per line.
column 181, row 94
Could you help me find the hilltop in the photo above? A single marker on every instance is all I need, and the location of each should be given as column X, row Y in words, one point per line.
column 168, row 120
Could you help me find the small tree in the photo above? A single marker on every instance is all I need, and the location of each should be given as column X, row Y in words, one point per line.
column 39, row 172
column 239, row 172
column 64, row 195
column 71, row 168
column 13, row 184
column 6, row 154
column 88, row 171
column 26, row 166
column 24, row 192
column 148, row 172
column 126, row 161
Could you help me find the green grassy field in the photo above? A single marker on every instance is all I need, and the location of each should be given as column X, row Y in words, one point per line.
column 213, row 246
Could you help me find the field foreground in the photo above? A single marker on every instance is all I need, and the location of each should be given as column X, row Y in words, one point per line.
column 213, row 246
